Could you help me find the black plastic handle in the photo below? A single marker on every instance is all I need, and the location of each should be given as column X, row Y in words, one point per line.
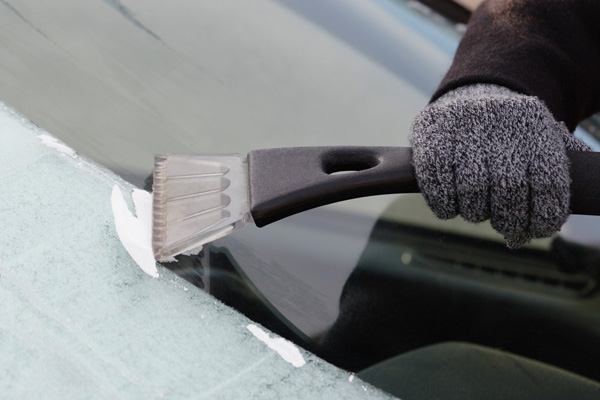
column 585, row 182
column 286, row 181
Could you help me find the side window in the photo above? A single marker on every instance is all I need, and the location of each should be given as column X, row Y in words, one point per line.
column 589, row 131
column 592, row 126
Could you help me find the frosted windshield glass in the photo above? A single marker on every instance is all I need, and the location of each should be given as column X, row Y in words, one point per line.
column 81, row 320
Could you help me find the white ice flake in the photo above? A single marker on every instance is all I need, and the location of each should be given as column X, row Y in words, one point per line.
column 135, row 232
column 286, row 349
column 51, row 141
column 179, row 285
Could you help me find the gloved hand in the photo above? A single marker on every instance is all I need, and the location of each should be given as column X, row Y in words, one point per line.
column 486, row 152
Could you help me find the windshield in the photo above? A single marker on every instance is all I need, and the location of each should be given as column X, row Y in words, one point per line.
column 356, row 282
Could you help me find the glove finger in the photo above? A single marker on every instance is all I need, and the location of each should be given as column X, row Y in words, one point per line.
column 509, row 188
column 472, row 174
column 432, row 160
column 550, row 188
column 516, row 241
column 571, row 142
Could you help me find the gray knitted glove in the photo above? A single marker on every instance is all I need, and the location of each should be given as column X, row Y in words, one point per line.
column 486, row 152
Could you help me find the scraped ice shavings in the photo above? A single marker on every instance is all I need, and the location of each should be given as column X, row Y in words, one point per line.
column 51, row 141
column 135, row 232
column 286, row 349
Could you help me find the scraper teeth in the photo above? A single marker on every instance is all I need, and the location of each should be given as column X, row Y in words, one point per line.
column 197, row 197
column 159, row 208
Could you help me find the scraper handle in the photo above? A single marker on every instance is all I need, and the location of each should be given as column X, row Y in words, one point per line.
column 286, row 181
column 585, row 182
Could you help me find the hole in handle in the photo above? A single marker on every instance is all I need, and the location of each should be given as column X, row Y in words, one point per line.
column 344, row 162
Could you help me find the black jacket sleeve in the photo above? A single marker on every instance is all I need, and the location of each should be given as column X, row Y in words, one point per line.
column 544, row 48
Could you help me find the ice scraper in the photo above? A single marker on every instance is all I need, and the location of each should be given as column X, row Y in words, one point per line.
column 199, row 198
